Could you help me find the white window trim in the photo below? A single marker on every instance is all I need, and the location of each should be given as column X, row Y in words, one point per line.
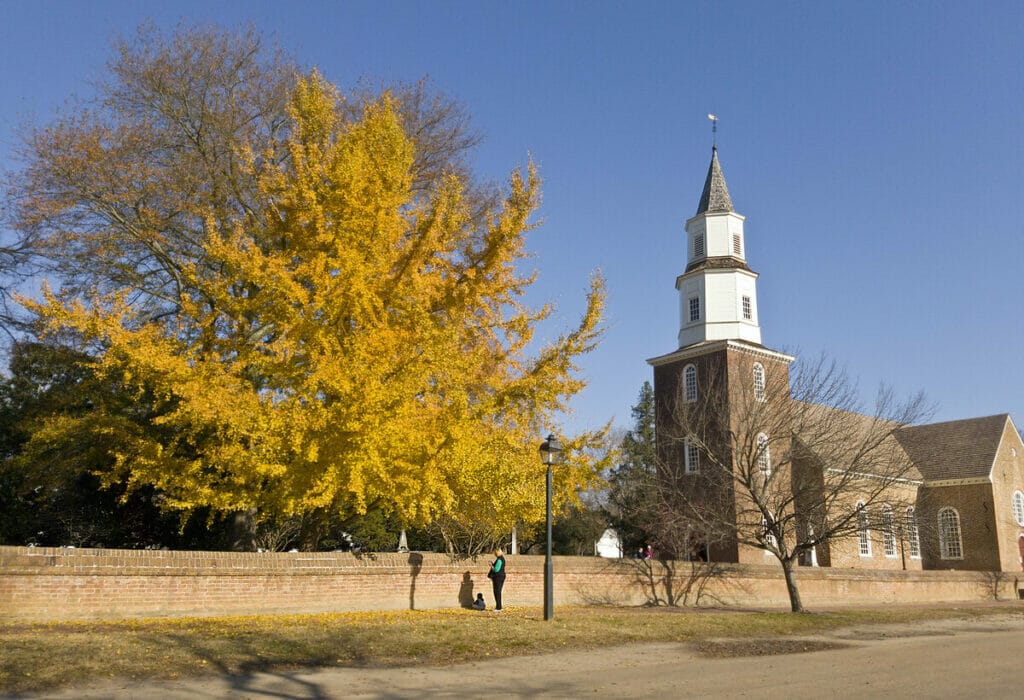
column 863, row 531
column 944, row 548
column 888, row 532
column 759, row 386
column 769, row 537
column 689, row 397
column 691, row 457
column 691, row 303
column 1018, row 507
column 764, row 455
column 747, row 308
column 913, row 534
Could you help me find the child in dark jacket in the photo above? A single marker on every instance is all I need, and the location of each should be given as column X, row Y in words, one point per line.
column 479, row 603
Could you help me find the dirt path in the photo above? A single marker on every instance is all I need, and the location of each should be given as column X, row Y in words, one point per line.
column 940, row 659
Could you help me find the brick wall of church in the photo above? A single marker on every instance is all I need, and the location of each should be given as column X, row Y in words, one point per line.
column 846, row 552
column 1008, row 477
column 724, row 375
column 668, row 396
column 973, row 503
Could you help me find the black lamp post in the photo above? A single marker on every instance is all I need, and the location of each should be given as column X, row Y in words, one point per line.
column 550, row 452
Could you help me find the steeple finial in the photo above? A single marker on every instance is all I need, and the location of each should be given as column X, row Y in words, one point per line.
column 714, row 131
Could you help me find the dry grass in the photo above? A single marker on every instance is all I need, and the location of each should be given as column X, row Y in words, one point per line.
column 175, row 648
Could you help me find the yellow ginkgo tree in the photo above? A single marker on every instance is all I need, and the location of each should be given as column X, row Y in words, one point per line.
column 353, row 342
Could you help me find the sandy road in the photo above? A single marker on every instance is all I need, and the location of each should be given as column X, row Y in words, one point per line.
column 943, row 659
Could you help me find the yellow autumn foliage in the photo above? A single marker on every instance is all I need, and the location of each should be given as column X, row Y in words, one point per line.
column 362, row 343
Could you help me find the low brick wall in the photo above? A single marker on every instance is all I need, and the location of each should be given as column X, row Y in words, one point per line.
column 44, row 584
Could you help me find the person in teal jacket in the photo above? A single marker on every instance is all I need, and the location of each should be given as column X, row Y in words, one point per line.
column 497, row 576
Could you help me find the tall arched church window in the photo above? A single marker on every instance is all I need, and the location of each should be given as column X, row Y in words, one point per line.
column 769, row 536
column 692, row 457
column 764, row 458
column 863, row 531
column 950, row 544
column 888, row 531
column 913, row 539
column 759, row 392
column 690, row 383
column 1018, row 507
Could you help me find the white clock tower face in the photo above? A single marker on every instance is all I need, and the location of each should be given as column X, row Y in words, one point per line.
column 717, row 291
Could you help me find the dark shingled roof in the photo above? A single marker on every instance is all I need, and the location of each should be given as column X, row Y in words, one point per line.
column 715, row 197
column 857, row 430
column 959, row 449
column 721, row 263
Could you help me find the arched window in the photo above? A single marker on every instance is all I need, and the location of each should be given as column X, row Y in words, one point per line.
column 690, row 383
column 759, row 393
column 913, row 539
column 888, row 533
column 692, row 458
column 764, row 458
column 863, row 531
column 1018, row 507
column 950, row 544
column 769, row 536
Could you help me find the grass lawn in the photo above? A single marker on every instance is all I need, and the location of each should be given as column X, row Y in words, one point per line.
column 41, row 656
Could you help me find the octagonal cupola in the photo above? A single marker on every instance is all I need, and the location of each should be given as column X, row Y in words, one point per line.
column 717, row 291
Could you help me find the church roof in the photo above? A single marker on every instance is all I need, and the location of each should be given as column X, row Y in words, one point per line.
column 717, row 263
column 715, row 197
column 856, row 442
column 959, row 449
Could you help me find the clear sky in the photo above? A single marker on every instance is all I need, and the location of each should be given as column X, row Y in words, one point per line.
column 876, row 150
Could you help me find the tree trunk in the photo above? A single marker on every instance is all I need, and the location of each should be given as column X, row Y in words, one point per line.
column 243, row 530
column 795, row 603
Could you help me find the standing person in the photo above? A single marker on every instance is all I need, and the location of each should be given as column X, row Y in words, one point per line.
column 497, row 576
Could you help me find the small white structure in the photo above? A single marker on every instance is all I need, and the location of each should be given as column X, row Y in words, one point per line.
column 609, row 546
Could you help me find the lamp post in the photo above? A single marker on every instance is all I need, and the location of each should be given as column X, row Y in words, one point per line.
column 550, row 451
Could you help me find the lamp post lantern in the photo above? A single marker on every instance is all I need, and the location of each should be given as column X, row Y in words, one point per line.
column 550, row 452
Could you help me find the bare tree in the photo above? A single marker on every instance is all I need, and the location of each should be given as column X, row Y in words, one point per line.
column 277, row 535
column 787, row 464
column 119, row 191
column 467, row 539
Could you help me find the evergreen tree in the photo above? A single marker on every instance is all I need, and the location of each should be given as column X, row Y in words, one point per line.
column 631, row 494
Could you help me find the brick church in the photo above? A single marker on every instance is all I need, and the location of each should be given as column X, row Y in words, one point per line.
column 752, row 458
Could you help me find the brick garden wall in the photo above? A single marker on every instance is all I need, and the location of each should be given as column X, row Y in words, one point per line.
column 45, row 584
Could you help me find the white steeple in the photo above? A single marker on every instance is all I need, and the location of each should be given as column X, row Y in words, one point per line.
column 717, row 292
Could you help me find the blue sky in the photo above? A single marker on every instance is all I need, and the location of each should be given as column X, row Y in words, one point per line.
column 876, row 149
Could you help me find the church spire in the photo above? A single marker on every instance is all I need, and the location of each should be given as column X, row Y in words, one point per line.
column 717, row 291
column 715, row 197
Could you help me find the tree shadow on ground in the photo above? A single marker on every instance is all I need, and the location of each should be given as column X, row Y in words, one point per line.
column 676, row 583
column 658, row 582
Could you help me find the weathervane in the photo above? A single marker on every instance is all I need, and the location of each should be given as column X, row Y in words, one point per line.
column 714, row 130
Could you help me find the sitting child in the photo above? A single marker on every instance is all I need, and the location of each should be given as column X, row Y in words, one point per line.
column 479, row 603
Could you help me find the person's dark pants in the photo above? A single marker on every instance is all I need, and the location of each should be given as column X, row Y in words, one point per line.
column 497, row 582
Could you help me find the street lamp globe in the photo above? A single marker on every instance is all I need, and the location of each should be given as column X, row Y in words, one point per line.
column 550, row 450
